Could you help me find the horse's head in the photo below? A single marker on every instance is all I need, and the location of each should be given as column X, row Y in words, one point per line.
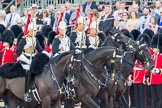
column 142, row 53
column 120, row 39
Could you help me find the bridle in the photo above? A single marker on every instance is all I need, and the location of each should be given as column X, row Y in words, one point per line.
column 89, row 73
column 144, row 58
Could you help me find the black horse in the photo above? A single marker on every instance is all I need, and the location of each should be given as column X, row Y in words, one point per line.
column 49, row 82
column 135, row 51
column 90, row 69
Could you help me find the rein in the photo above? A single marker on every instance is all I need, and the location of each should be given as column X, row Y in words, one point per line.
column 55, row 79
column 54, row 76
column 93, row 76
column 146, row 61
column 126, row 52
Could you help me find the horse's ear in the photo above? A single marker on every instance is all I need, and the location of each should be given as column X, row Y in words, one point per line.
column 141, row 40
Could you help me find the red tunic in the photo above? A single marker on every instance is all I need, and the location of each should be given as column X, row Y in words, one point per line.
column 156, row 78
column 13, row 48
column 151, row 51
column 1, row 47
column 48, row 49
column 138, row 72
column 7, row 56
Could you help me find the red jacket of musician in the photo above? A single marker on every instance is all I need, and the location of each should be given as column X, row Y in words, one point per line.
column 156, row 78
column 151, row 51
column 48, row 49
column 138, row 72
column 7, row 56
column 1, row 46
column 13, row 48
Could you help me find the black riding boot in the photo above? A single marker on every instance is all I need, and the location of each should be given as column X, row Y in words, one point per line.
column 76, row 69
column 27, row 96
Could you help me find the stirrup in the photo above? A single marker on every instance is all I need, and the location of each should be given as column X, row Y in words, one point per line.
column 72, row 93
column 27, row 97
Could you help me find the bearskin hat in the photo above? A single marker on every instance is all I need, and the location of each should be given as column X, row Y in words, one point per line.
column 16, row 29
column 45, row 30
column 51, row 36
column 41, row 39
column 156, row 42
column 135, row 33
column 149, row 32
column 127, row 33
column 19, row 37
column 144, row 38
column 2, row 29
column 8, row 36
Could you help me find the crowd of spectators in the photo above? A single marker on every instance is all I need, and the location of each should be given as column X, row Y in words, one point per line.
column 119, row 17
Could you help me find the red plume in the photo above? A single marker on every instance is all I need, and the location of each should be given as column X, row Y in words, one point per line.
column 77, row 16
column 90, row 21
column 59, row 21
column 27, row 23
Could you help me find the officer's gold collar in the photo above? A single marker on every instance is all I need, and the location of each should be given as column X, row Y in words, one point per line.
column 59, row 36
column 28, row 35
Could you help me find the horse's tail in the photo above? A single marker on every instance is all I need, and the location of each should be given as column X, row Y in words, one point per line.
column 38, row 63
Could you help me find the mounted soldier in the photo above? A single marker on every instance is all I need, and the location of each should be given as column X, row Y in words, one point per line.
column 61, row 42
column 78, row 36
column 93, row 37
column 26, row 50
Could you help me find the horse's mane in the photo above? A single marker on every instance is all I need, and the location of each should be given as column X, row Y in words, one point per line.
column 57, row 58
column 112, row 31
column 105, row 42
column 92, row 53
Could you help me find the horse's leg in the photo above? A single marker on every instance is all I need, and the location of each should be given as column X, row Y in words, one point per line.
column 46, row 102
column 103, row 96
column 89, row 102
column 56, row 104
column 13, row 101
column 83, row 106
column 110, row 102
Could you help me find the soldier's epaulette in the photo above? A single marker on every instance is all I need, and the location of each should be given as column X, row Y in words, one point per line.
column 24, row 36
